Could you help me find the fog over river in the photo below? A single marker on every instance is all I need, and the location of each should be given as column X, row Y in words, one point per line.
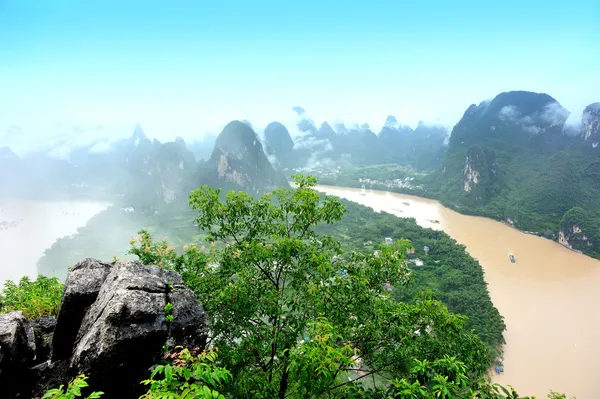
column 549, row 297
column 28, row 228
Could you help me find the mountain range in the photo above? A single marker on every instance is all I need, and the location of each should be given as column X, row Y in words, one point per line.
column 513, row 158
column 142, row 173
column 359, row 145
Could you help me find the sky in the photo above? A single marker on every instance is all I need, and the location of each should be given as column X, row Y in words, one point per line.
column 188, row 67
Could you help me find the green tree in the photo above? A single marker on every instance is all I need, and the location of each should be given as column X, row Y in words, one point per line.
column 294, row 317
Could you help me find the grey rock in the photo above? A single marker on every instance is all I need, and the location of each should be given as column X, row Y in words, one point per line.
column 111, row 326
column 43, row 329
column 81, row 290
column 590, row 123
column 16, row 354
column 122, row 334
column 46, row 376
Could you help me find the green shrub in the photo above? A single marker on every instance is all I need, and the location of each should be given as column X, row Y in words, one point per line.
column 35, row 298
column 73, row 390
column 189, row 375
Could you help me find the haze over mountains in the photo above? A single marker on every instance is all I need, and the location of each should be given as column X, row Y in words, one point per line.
column 514, row 158
column 238, row 158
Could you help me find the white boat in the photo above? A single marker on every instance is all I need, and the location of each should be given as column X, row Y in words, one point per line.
column 363, row 191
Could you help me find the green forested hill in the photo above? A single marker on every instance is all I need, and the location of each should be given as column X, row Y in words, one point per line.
column 448, row 270
column 512, row 159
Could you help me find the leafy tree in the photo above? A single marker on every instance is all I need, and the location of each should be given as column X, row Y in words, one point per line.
column 292, row 316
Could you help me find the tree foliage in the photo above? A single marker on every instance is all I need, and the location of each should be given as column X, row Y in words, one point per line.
column 293, row 316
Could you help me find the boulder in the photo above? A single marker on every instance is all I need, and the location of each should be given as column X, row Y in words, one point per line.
column 42, row 330
column 111, row 326
column 17, row 351
column 82, row 286
column 122, row 334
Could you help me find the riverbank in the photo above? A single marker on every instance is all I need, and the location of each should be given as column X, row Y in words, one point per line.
column 33, row 227
column 424, row 193
column 545, row 297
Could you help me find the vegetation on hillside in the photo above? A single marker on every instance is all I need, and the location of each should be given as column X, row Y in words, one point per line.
column 447, row 269
column 534, row 193
column 539, row 172
column 294, row 314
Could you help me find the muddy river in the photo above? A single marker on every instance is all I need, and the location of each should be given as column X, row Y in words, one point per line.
column 548, row 297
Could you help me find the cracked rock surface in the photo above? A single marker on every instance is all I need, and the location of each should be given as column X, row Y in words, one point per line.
column 111, row 326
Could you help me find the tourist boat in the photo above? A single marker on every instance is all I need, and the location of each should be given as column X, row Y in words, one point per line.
column 512, row 258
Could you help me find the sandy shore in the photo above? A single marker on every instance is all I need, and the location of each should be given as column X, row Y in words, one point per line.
column 28, row 228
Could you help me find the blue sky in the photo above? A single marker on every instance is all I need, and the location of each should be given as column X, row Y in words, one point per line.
column 181, row 67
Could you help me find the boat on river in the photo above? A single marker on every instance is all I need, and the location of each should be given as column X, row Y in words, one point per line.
column 363, row 190
column 512, row 258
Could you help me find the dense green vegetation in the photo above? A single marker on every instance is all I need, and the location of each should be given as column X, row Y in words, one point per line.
column 534, row 191
column 296, row 314
column 529, row 172
column 37, row 298
column 448, row 270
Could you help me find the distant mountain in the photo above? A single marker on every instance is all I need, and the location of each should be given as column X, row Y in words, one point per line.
column 161, row 173
column 423, row 147
column 280, row 143
column 238, row 162
column 305, row 124
column 202, row 149
column 142, row 173
column 135, row 171
column 514, row 159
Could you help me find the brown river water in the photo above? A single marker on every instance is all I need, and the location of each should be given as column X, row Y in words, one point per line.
column 548, row 297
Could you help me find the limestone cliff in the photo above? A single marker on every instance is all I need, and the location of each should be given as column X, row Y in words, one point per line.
column 238, row 162
column 480, row 172
column 577, row 231
column 590, row 124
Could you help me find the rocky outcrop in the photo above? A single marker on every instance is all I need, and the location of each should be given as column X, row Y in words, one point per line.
column 81, row 290
column 17, row 351
column 480, row 171
column 111, row 326
column 577, row 232
column 43, row 334
column 590, row 124
column 471, row 176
